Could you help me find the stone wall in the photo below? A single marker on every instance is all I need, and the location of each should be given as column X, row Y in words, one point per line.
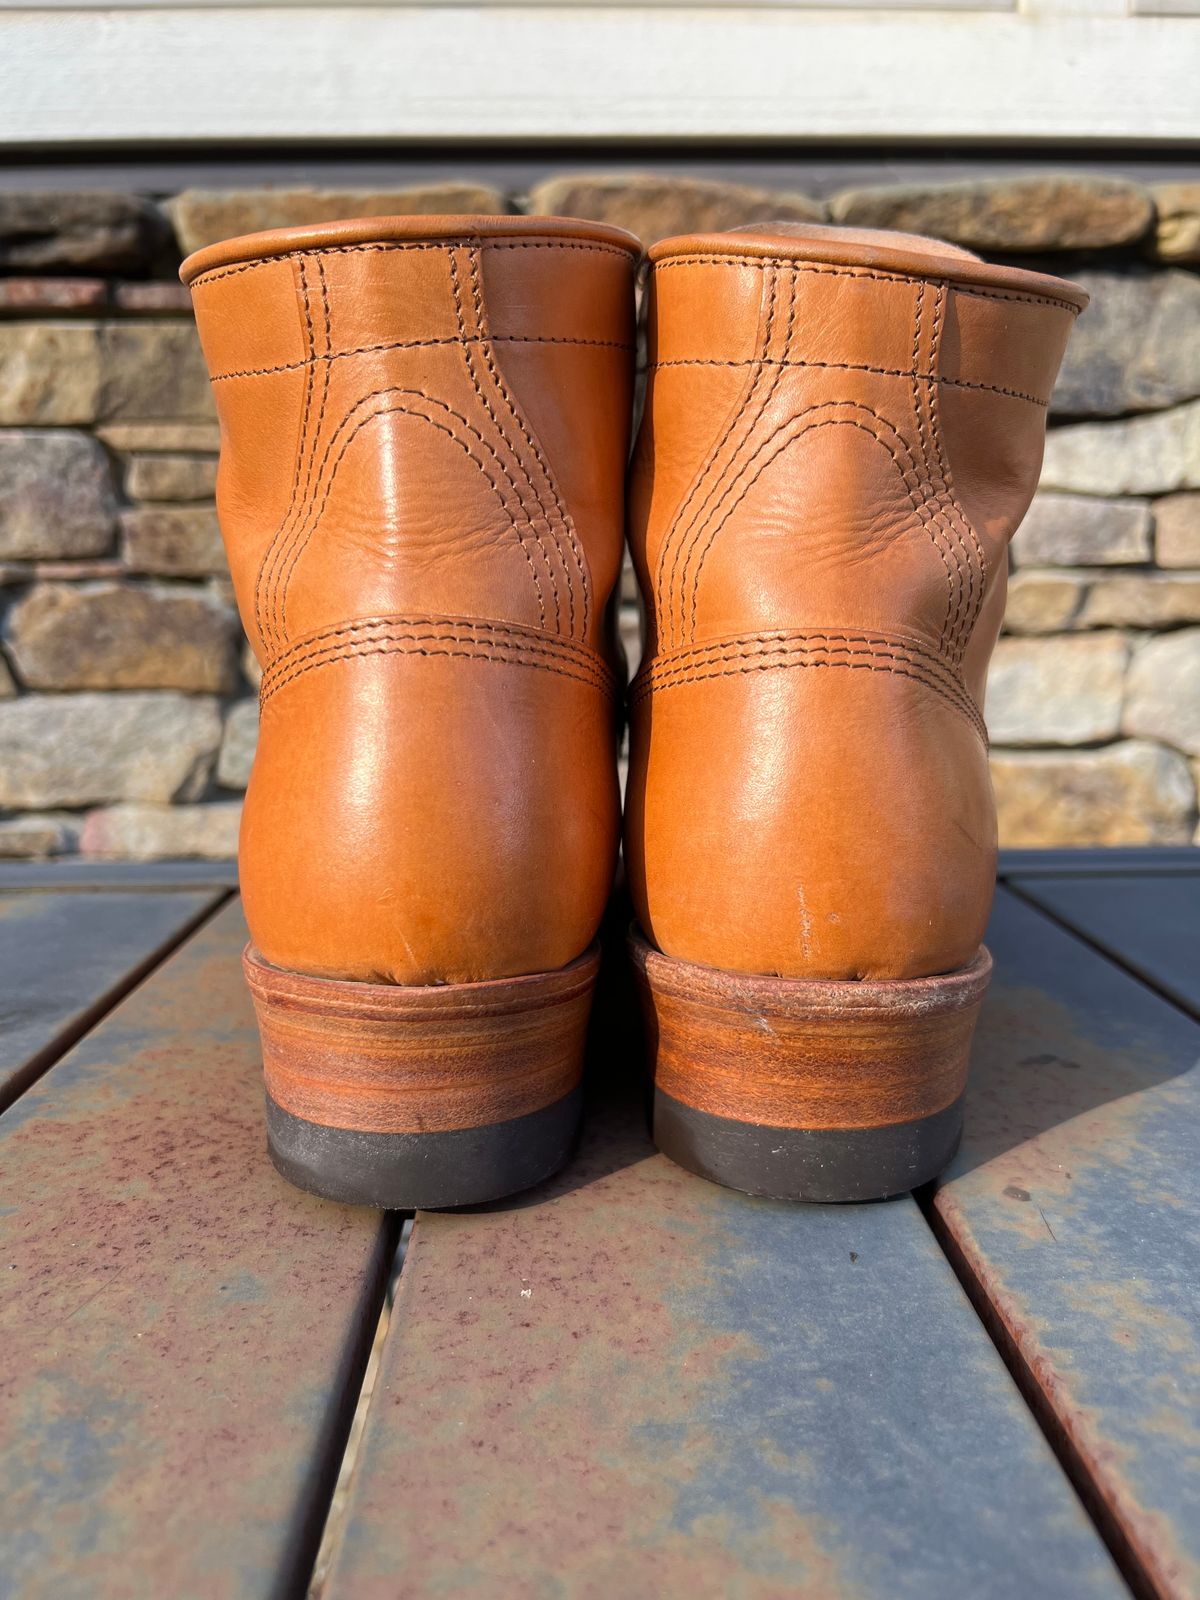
column 127, row 697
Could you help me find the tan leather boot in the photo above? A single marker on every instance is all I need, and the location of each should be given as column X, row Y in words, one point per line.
column 842, row 431
column 424, row 428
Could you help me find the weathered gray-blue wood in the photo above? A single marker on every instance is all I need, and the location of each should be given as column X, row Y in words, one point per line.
column 1074, row 1209
column 65, row 957
column 1151, row 925
column 183, row 1333
column 634, row 1383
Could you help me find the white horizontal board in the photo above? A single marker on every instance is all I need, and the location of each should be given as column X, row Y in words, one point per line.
column 471, row 72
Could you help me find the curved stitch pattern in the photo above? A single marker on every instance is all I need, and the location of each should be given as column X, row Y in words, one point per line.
column 526, row 477
column 737, row 421
column 917, row 505
column 965, row 596
column 745, row 396
column 948, row 484
column 315, row 511
column 265, row 575
column 502, row 389
column 954, row 598
column 696, row 532
column 326, row 317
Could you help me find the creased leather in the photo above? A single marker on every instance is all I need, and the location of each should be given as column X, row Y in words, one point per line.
column 842, row 431
column 424, row 427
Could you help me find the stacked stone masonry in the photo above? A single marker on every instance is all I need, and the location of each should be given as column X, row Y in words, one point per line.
column 128, row 705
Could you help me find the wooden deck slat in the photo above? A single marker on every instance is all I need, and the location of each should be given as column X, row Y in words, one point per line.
column 1151, row 925
column 181, row 1330
column 64, row 958
column 633, row 1383
column 1073, row 1209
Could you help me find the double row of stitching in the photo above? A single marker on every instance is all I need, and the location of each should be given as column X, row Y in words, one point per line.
column 546, row 492
column 946, row 498
column 593, row 248
column 853, row 366
column 827, row 269
column 509, row 631
column 909, row 474
column 686, row 536
column 920, row 395
column 504, row 643
column 264, row 582
column 879, row 652
column 417, row 344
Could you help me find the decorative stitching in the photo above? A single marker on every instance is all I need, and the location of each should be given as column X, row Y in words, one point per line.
column 417, row 344
column 851, row 366
column 976, row 602
column 583, row 653
column 316, row 512
column 953, row 599
column 762, row 411
column 680, row 532
column 876, row 652
column 438, row 244
column 529, row 486
column 698, row 479
column 763, row 263
column 288, row 566
column 511, row 646
column 918, row 506
column 497, row 377
column 265, row 573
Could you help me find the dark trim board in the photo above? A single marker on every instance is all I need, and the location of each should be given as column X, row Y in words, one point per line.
column 1141, row 861
column 44, row 876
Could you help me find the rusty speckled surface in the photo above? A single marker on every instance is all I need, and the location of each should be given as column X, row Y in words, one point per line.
column 1074, row 1204
column 62, row 955
column 636, row 1384
column 179, row 1327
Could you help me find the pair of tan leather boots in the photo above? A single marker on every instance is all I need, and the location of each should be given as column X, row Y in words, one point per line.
column 425, row 426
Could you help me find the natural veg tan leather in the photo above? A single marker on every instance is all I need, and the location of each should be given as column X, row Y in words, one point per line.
column 843, row 429
column 424, row 430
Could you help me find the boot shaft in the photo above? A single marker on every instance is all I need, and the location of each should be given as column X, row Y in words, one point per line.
column 424, row 431
column 842, row 431
column 420, row 416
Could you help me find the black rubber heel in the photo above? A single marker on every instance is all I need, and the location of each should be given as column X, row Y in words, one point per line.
column 423, row 1171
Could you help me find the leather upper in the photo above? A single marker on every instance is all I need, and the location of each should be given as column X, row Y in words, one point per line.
column 842, row 431
column 424, row 428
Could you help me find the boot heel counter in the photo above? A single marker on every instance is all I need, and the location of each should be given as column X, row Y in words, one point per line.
column 811, row 823
column 431, row 814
